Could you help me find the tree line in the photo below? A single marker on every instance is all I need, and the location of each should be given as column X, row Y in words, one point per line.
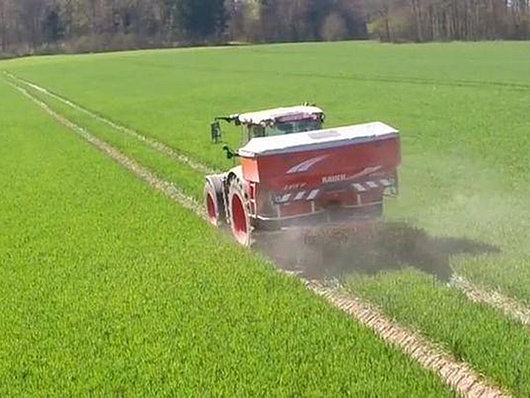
column 40, row 26
column 442, row 20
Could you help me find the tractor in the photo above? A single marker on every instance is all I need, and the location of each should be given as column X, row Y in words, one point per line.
column 295, row 174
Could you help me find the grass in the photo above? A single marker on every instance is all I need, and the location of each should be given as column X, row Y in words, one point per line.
column 463, row 112
column 462, row 109
column 190, row 181
column 108, row 288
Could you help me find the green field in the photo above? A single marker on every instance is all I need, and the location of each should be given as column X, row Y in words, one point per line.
column 108, row 288
column 464, row 114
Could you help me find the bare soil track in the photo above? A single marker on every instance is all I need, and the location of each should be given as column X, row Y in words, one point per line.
column 507, row 305
column 159, row 184
column 460, row 376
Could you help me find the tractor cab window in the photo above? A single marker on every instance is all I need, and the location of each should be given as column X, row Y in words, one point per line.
column 298, row 126
column 255, row 131
column 284, row 127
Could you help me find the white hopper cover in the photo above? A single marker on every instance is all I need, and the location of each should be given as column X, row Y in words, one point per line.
column 318, row 139
column 273, row 114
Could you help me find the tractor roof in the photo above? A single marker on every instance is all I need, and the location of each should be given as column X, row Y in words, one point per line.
column 318, row 139
column 271, row 115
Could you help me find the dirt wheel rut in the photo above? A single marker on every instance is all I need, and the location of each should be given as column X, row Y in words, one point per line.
column 459, row 375
column 507, row 305
column 154, row 144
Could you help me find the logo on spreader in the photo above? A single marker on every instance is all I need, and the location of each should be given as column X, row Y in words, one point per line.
column 306, row 165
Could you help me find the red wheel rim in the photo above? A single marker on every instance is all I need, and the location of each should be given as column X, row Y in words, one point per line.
column 239, row 220
column 210, row 206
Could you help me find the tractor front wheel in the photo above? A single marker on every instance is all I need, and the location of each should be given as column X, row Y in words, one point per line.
column 239, row 213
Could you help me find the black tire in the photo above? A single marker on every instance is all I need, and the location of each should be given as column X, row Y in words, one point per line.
column 214, row 201
column 239, row 213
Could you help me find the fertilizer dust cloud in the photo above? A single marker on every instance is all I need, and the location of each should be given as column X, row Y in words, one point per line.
column 338, row 251
column 469, row 214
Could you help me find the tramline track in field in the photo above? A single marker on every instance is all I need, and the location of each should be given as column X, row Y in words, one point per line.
column 154, row 144
column 143, row 173
column 457, row 374
column 508, row 306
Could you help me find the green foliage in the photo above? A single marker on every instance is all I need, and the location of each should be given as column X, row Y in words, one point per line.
column 108, row 288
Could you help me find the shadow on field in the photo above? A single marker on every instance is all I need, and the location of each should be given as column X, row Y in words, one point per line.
column 380, row 247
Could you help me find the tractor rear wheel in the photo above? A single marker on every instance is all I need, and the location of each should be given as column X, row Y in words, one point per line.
column 214, row 201
column 239, row 213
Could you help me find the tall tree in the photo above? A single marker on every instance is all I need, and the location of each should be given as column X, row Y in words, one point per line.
column 202, row 19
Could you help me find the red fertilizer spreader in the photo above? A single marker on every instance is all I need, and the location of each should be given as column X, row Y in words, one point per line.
column 293, row 174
